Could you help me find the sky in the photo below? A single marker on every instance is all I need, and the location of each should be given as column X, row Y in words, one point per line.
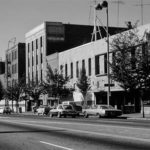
column 17, row 17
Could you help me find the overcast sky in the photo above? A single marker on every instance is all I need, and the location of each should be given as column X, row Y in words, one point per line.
column 17, row 17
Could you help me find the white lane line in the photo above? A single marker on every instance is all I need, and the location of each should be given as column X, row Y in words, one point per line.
column 109, row 135
column 55, row 145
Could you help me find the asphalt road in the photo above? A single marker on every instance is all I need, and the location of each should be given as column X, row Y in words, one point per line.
column 44, row 133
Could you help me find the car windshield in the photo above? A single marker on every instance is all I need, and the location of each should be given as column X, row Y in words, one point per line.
column 67, row 106
column 107, row 107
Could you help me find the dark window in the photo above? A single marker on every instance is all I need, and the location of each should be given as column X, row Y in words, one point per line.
column 105, row 63
column 41, row 58
column 71, row 65
column 41, row 43
column 32, row 46
column 66, row 70
column 77, row 69
column 97, row 66
column 28, row 47
column 83, row 64
column 41, row 76
column 89, row 62
column 36, row 59
column 36, row 43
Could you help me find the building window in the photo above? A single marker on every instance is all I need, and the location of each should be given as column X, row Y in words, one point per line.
column 28, row 47
column 41, row 76
column 36, row 43
column 77, row 69
column 105, row 63
column 89, row 66
column 66, row 70
column 32, row 46
column 41, row 41
column 97, row 66
column 71, row 68
column 41, row 58
column 83, row 64
column 36, row 58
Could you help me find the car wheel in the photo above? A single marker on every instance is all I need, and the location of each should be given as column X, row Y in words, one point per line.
column 99, row 116
column 51, row 115
column 64, row 116
column 59, row 115
column 73, row 116
column 86, row 115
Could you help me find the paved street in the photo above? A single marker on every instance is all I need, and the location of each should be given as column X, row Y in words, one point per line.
column 36, row 133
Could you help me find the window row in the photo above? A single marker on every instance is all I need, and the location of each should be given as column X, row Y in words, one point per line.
column 77, row 68
column 38, row 43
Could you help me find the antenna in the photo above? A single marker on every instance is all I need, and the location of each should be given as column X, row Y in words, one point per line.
column 141, row 5
column 13, row 41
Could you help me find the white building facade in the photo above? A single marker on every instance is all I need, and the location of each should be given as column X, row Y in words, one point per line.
column 93, row 56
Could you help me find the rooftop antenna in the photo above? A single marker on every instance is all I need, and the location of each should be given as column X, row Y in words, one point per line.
column 96, row 26
column 141, row 5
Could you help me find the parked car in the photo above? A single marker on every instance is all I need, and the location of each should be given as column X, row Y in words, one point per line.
column 63, row 110
column 102, row 111
column 7, row 110
column 1, row 110
column 43, row 110
column 75, row 107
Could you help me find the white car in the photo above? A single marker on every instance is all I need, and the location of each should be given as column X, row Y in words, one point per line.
column 43, row 110
column 1, row 110
column 63, row 110
column 102, row 111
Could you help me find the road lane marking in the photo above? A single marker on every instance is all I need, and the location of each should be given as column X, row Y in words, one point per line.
column 66, row 148
column 83, row 131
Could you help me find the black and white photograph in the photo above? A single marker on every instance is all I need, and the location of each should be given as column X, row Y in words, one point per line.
column 74, row 74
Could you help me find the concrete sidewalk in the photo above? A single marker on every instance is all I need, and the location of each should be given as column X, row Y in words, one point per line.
column 136, row 116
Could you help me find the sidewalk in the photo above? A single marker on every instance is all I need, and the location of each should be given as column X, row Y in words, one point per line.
column 137, row 116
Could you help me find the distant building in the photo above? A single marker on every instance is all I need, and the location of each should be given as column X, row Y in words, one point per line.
column 54, row 37
column 15, row 64
column 15, row 69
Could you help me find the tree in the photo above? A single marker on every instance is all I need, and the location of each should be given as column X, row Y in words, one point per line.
column 83, row 83
column 34, row 90
column 129, row 64
column 55, row 82
column 14, row 92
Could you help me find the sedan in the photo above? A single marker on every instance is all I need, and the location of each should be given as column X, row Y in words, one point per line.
column 63, row 110
column 43, row 110
column 102, row 111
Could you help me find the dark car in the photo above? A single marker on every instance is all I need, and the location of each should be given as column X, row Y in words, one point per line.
column 7, row 110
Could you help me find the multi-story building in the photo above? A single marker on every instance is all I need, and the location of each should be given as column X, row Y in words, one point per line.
column 15, row 67
column 93, row 56
column 52, row 37
column 15, row 63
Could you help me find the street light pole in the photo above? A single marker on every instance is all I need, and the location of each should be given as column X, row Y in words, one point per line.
column 108, row 70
